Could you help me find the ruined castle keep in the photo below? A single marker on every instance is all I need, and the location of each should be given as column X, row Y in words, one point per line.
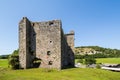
column 44, row 44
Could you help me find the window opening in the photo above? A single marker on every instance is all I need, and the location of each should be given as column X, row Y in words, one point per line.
column 33, row 24
column 48, row 52
column 50, row 41
column 51, row 23
column 50, row 62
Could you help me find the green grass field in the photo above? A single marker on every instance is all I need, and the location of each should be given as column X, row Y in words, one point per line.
column 109, row 60
column 4, row 63
column 66, row 74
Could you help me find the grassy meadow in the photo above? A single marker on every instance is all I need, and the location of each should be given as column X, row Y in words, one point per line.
column 3, row 63
column 106, row 60
column 67, row 74
column 109, row 60
column 47, row 74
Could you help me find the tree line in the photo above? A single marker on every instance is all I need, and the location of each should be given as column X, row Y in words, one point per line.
column 4, row 56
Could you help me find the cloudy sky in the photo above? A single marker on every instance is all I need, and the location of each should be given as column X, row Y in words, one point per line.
column 95, row 22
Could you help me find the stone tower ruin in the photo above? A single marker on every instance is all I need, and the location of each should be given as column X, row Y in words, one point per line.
column 44, row 44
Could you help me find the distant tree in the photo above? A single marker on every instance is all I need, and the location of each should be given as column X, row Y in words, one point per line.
column 90, row 60
column 4, row 56
column 80, row 61
column 14, row 60
column 79, row 56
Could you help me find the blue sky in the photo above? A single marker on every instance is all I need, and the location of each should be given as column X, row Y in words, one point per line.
column 95, row 22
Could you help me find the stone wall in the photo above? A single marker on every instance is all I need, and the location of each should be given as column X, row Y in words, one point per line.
column 48, row 43
column 70, row 50
column 24, row 56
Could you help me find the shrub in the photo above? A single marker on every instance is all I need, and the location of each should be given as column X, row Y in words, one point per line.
column 80, row 61
column 98, row 66
column 89, row 61
column 14, row 60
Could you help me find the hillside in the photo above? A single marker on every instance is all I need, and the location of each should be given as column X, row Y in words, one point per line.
column 91, row 50
column 86, row 50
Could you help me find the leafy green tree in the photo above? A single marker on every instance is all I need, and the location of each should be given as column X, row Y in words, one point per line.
column 89, row 61
column 80, row 61
column 14, row 60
